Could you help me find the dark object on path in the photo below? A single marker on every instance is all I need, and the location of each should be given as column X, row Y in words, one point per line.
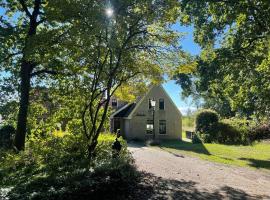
column 116, row 148
column 6, row 136
column 118, row 133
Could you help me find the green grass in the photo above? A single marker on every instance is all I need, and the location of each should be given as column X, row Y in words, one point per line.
column 188, row 123
column 255, row 156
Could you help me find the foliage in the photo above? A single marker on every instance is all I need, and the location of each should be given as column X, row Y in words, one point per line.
column 56, row 167
column 229, row 131
column 226, row 131
column 32, row 36
column 242, row 129
column 234, row 37
column 78, row 43
column 196, row 139
column 260, row 132
column 255, row 156
column 120, row 51
column 188, row 123
column 8, row 111
column 6, row 136
column 205, row 119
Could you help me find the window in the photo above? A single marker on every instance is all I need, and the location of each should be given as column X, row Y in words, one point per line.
column 149, row 127
column 114, row 103
column 162, row 126
column 161, row 104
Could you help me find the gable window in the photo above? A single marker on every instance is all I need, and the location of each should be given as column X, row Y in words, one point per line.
column 161, row 104
column 114, row 103
column 149, row 126
column 162, row 126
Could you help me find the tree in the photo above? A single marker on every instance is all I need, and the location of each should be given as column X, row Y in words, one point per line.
column 30, row 35
column 232, row 72
column 125, row 47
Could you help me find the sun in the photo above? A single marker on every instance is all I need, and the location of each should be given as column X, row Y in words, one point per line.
column 109, row 12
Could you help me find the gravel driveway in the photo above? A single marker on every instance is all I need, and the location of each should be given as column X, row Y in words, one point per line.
column 184, row 177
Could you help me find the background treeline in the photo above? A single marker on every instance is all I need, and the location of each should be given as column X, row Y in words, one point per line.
column 232, row 73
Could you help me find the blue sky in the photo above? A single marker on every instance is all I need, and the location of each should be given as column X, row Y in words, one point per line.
column 174, row 90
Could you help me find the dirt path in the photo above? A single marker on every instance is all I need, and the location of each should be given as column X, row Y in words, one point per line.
column 187, row 177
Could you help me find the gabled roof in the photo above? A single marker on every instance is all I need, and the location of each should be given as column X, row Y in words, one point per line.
column 142, row 99
column 127, row 110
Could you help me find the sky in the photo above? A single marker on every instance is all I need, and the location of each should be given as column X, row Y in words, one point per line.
column 173, row 89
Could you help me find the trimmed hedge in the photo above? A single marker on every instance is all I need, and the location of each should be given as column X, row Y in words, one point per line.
column 260, row 132
column 228, row 131
column 205, row 119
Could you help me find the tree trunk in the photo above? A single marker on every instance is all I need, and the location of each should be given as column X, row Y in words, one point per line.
column 93, row 145
column 25, row 75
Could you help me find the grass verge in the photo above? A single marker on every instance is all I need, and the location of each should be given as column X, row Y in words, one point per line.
column 254, row 156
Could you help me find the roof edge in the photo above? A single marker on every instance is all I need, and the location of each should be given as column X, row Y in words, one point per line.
column 119, row 110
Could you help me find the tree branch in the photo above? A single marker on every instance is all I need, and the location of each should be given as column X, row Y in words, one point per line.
column 9, row 56
column 22, row 2
column 44, row 71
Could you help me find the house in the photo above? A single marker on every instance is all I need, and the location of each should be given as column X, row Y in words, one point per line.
column 135, row 120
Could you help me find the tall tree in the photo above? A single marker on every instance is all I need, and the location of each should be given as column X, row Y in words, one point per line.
column 127, row 42
column 30, row 34
column 232, row 71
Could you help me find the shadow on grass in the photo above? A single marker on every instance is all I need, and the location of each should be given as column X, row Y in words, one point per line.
column 257, row 163
column 185, row 146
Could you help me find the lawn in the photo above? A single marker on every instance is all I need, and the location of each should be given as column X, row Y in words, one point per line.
column 188, row 123
column 255, row 156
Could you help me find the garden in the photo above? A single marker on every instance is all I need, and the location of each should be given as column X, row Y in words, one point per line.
column 63, row 62
column 233, row 141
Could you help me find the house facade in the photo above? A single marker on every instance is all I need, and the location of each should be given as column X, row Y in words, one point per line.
column 138, row 120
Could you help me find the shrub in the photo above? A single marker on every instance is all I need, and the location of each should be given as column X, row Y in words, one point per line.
column 196, row 139
column 227, row 134
column 260, row 132
column 228, row 131
column 204, row 121
column 56, row 167
column 6, row 136
column 240, row 130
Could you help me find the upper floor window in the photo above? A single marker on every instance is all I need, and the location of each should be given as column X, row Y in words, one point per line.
column 114, row 103
column 161, row 104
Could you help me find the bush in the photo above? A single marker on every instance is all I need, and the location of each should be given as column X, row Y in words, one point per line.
column 196, row 139
column 204, row 121
column 260, row 132
column 239, row 130
column 227, row 134
column 228, row 131
column 6, row 136
column 56, row 166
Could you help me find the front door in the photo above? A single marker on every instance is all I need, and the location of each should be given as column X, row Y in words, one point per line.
column 116, row 125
